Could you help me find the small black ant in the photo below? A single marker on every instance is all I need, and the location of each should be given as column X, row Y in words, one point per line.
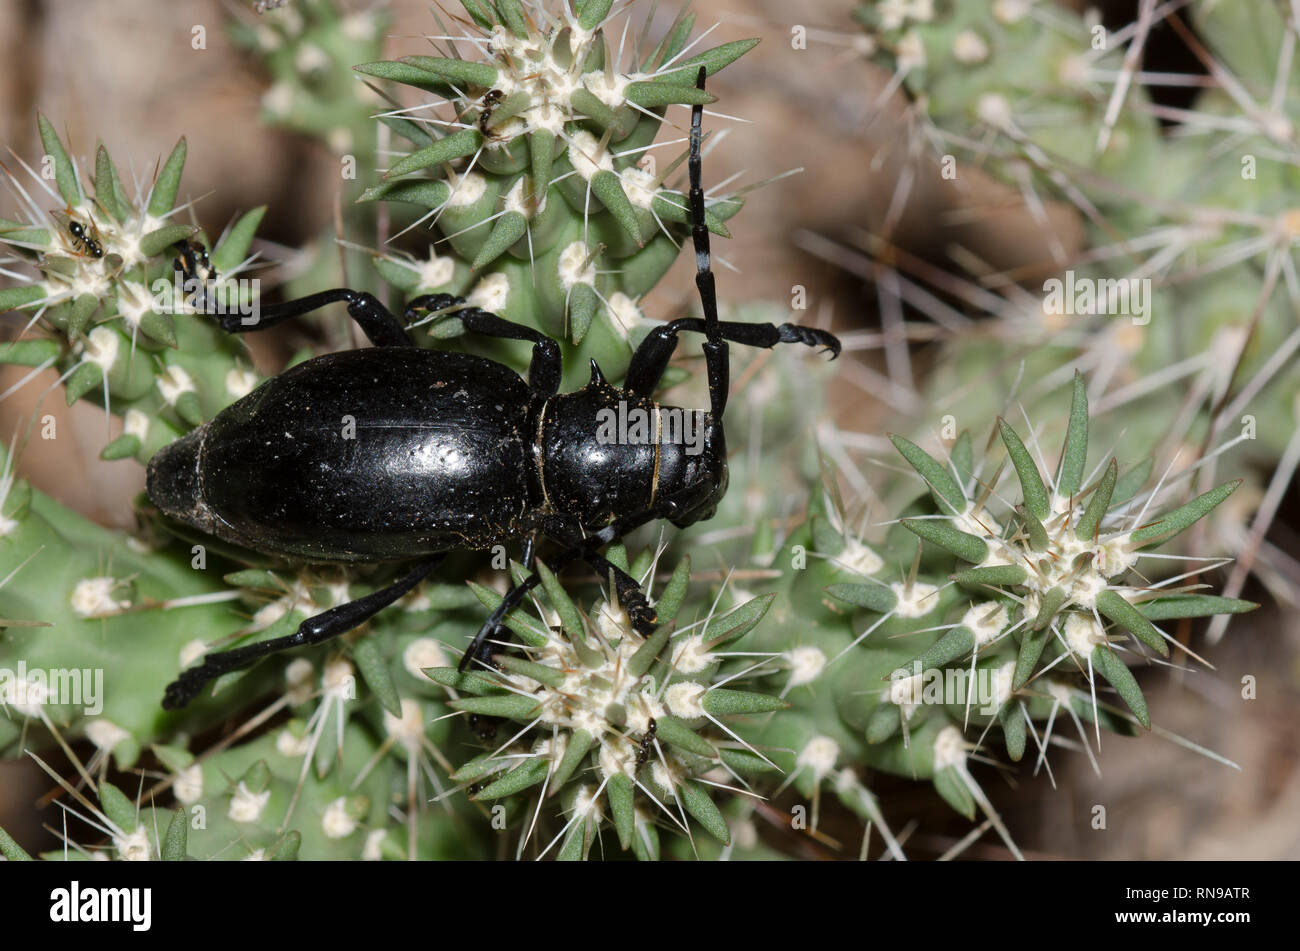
column 484, row 727
column 491, row 99
column 194, row 268
column 647, row 738
column 193, row 262
column 84, row 239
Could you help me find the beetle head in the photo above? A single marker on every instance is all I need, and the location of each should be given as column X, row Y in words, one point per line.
column 692, row 475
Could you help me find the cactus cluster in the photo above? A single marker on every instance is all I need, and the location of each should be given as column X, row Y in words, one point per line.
column 1007, row 602
column 301, row 46
column 533, row 157
column 95, row 274
column 1060, row 106
column 1008, row 77
column 619, row 729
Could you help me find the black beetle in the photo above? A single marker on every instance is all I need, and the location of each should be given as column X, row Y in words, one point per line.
column 451, row 451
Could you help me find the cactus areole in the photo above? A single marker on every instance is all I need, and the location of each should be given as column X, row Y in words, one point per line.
column 397, row 453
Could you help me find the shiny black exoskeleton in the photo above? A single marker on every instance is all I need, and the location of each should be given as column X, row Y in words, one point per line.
column 401, row 454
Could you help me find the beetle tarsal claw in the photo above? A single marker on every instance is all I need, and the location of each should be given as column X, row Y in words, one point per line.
column 183, row 689
column 811, row 337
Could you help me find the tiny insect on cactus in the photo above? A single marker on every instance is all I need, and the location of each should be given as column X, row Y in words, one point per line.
column 96, row 277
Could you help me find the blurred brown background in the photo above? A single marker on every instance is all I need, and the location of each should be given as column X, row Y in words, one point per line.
column 124, row 71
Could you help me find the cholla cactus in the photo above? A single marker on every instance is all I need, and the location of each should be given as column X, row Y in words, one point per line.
column 617, row 728
column 1066, row 559
column 1017, row 76
column 1179, row 306
column 166, row 368
column 1006, row 611
column 307, row 47
column 803, row 666
column 96, row 276
column 535, row 163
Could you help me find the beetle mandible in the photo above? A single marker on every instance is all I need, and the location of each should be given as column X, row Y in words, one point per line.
column 453, row 451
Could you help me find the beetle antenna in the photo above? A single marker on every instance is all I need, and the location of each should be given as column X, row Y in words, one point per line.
column 699, row 223
column 715, row 347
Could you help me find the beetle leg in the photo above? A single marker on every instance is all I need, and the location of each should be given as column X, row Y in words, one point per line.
column 651, row 358
column 375, row 320
column 639, row 612
column 315, row 630
column 643, row 617
column 480, row 650
column 629, row 592
column 545, row 367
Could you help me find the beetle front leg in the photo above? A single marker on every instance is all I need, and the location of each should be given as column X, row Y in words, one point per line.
column 315, row 630
column 482, row 647
column 375, row 320
column 629, row 592
column 651, row 358
column 546, row 366
column 642, row 615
